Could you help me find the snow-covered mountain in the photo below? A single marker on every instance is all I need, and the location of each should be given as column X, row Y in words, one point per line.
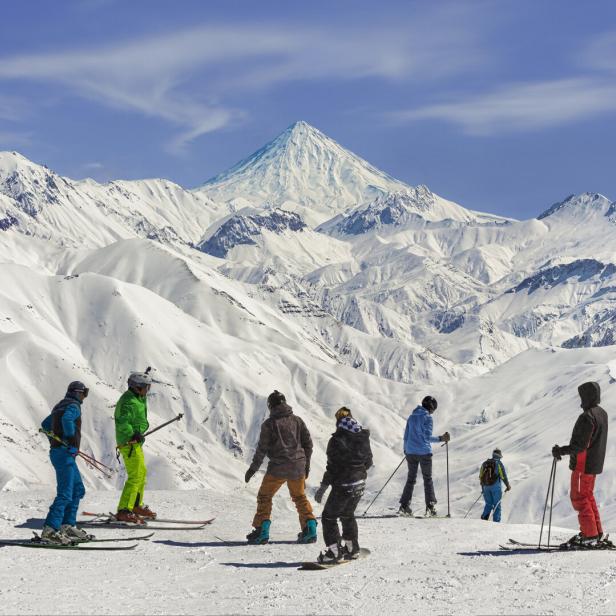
column 305, row 269
column 305, row 169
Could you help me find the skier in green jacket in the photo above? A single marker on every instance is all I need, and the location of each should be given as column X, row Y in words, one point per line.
column 131, row 422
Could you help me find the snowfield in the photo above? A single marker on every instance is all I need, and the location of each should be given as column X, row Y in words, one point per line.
column 416, row 567
column 304, row 269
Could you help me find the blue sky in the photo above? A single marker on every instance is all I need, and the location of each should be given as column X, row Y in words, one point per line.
column 501, row 106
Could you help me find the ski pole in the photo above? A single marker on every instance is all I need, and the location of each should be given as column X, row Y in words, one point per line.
column 469, row 509
column 545, row 506
column 447, row 451
column 80, row 453
column 552, row 503
column 390, row 477
column 179, row 416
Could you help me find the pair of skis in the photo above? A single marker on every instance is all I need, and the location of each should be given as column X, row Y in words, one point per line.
column 520, row 546
column 108, row 520
column 38, row 542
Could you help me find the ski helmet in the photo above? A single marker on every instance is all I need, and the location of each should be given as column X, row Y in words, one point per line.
column 342, row 412
column 275, row 398
column 77, row 387
column 429, row 403
column 139, row 379
column 497, row 453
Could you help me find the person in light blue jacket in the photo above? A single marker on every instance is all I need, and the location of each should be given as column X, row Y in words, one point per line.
column 418, row 441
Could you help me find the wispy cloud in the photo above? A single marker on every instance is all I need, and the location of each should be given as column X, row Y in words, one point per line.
column 10, row 139
column 186, row 77
column 525, row 106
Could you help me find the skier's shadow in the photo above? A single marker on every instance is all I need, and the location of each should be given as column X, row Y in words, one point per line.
column 33, row 523
column 276, row 565
column 217, row 544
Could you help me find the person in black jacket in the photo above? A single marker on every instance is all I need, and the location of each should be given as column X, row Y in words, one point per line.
column 586, row 452
column 348, row 458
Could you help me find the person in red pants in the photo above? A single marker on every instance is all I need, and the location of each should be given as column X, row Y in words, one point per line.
column 586, row 452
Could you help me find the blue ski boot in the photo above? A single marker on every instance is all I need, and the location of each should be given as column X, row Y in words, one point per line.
column 309, row 534
column 260, row 536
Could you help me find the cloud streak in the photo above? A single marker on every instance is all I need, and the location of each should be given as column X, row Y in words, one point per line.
column 185, row 77
column 524, row 106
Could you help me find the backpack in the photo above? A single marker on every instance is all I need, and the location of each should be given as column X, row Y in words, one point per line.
column 489, row 472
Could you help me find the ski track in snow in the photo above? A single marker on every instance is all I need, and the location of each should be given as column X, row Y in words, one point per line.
column 416, row 567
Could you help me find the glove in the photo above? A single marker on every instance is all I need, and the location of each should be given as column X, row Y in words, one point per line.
column 73, row 451
column 445, row 437
column 138, row 438
column 248, row 475
column 318, row 495
column 556, row 452
column 307, row 471
column 508, row 488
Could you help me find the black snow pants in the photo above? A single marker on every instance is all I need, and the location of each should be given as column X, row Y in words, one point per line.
column 341, row 503
column 414, row 461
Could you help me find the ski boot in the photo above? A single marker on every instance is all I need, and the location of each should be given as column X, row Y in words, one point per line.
column 75, row 534
column 51, row 535
column 125, row 515
column 309, row 534
column 332, row 555
column 580, row 541
column 260, row 535
column 405, row 511
column 431, row 510
column 350, row 549
column 144, row 512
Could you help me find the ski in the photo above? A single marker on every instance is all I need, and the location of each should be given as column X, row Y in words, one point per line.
column 522, row 549
column 564, row 547
column 71, row 546
column 128, row 526
column 430, row 517
column 111, row 517
column 317, row 566
column 112, row 539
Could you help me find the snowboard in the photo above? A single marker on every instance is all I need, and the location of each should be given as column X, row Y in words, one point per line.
column 317, row 566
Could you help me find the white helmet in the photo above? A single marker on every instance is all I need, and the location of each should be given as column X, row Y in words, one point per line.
column 139, row 379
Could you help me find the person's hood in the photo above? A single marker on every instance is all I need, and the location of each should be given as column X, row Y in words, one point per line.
column 420, row 410
column 281, row 410
column 590, row 394
column 71, row 395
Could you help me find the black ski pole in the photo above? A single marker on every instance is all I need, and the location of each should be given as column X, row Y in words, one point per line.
column 179, row 416
column 545, row 506
column 447, row 452
column 390, row 477
column 477, row 499
column 552, row 501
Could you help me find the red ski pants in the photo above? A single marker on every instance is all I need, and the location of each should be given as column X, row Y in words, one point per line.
column 583, row 501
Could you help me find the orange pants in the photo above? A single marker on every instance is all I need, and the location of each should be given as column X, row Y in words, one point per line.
column 583, row 501
column 269, row 486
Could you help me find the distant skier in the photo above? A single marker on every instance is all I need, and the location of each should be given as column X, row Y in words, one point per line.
column 418, row 441
column 491, row 473
column 586, row 452
column 131, row 422
column 348, row 458
column 65, row 423
column 285, row 440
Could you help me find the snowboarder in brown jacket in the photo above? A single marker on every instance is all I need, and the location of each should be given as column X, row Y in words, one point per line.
column 285, row 440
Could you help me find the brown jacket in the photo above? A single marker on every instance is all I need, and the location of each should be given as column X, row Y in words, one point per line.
column 285, row 440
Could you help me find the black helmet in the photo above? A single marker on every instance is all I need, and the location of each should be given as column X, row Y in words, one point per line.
column 429, row 403
column 77, row 387
column 275, row 398
column 497, row 453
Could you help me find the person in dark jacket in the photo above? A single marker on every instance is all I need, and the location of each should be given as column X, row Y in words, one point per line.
column 586, row 452
column 65, row 423
column 349, row 457
column 285, row 440
column 418, row 441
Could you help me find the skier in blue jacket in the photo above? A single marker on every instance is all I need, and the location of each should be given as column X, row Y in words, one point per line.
column 65, row 423
column 418, row 441
column 491, row 474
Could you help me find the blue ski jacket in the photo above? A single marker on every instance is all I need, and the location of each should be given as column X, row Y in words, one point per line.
column 418, row 437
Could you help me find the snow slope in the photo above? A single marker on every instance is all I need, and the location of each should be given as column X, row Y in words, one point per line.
column 416, row 567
